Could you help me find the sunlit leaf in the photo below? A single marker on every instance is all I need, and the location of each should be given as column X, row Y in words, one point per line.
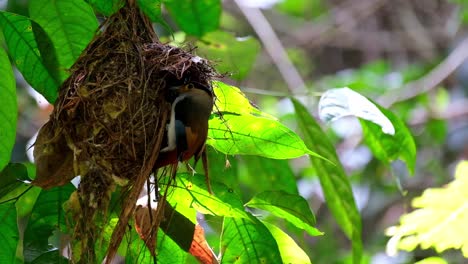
column 9, row 235
column 248, row 241
column 290, row 251
column 439, row 220
column 251, row 135
column 70, row 25
column 335, row 184
column 195, row 17
column 341, row 102
column 8, row 109
column 291, row 207
column 229, row 54
column 191, row 191
column 230, row 99
column 237, row 127
column 23, row 48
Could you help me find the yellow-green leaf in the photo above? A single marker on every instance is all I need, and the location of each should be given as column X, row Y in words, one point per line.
column 251, row 135
column 289, row 250
column 191, row 192
column 439, row 221
column 230, row 99
column 248, row 241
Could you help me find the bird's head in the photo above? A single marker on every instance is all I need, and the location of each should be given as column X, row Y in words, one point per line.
column 191, row 89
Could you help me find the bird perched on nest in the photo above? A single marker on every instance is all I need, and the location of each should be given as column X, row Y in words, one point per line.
column 187, row 130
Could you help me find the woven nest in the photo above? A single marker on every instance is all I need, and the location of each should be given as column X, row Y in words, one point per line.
column 110, row 117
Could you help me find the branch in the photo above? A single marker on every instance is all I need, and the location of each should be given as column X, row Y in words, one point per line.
column 430, row 80
column 274, row 48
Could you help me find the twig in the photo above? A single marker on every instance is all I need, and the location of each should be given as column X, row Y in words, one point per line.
column 457, row 110
column 274, row 48
column 430, row 80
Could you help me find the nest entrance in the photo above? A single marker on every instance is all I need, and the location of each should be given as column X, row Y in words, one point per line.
column 109, row 121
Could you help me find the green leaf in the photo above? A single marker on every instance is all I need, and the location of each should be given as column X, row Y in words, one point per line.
column 195, row 17
column 191, row 191
column 290, row 251
column 21, row 42
column 168, row 251
column 439, row 220
column 336, row 186
column 251, row 135
column 152, row 9
column 70, row 25
column 8, row 110
column 273, row 174
column 9, row 235
column 47, row 216
column 12, row 181
column 26, row 202
column 387, row 147
column 230, row 54
column 291, row 207
column 248, row 241
column 222, row 169
column 107, row 7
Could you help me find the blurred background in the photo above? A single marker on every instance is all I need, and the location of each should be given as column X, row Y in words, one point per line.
column 408, row 55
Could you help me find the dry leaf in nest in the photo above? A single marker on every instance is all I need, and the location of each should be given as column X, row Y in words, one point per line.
column 109, row 120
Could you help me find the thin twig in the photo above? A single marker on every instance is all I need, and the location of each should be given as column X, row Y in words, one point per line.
column 274, row 48
column 456, row 110
column 430, row 80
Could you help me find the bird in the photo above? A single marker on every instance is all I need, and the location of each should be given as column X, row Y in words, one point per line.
column 187, row 130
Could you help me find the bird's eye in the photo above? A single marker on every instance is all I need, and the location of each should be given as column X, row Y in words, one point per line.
column 190, row 86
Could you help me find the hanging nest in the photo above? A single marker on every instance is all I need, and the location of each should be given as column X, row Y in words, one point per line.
column 109, row 121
